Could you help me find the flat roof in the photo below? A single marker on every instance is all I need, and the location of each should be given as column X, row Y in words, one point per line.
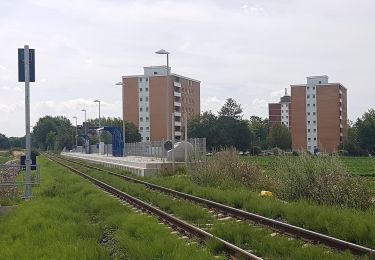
column 323, row 84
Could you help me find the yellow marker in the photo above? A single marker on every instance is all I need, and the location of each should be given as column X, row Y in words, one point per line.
column 265, row 193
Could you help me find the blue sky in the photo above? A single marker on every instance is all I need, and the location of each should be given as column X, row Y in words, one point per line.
column 247, row 50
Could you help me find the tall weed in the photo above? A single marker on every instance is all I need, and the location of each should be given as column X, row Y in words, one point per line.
column 322, row 179
column 226, row 169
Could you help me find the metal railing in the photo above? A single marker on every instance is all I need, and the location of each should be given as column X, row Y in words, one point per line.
column 156, row 148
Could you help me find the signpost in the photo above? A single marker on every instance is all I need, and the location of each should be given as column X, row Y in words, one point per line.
column 26, row 73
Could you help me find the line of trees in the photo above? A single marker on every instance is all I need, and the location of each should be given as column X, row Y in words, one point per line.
column 229, row 129
column 55, row 133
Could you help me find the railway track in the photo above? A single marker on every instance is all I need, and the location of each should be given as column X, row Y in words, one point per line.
column 294, row 231
column 234, row 251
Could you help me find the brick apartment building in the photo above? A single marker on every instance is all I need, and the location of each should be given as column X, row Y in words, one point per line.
column 318, row 115
column 278, row 113
column 145, row 102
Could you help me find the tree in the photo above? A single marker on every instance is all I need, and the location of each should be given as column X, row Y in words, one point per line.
column 4, row 142
column 259, row 127
column 279, row 136
column 53, row 133
column 231, row 109
column 132, row 134
column 366, row 131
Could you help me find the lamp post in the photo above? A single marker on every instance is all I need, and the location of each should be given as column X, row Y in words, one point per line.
column 84, row 110
column 76, row 132
column 98, row 101
column 123, row 115
column 162, row 51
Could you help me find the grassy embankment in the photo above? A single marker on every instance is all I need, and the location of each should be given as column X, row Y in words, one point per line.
column 350, row 224
column 262, row 241
column 70, row 219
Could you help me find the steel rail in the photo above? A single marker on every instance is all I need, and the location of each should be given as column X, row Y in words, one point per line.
column 231, row 249
column 292, row 230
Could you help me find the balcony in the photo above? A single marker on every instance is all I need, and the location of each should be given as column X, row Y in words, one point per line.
column 177, row 94
column 177, row 84
column 177, row 113
column 177, row 133
column 176, row 123
column 177, row 104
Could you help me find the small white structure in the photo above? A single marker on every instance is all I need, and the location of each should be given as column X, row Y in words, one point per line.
column 179, row 151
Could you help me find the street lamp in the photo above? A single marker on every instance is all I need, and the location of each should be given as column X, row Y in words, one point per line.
column 123, row 115
column 98, row 101
column 84, row 110
column 76, row 133
column 162, row 51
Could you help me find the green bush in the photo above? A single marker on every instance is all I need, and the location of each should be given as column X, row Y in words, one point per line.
column 322, row 179
column 256, row 150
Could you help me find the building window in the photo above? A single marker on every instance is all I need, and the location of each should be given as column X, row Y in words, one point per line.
column 146, row 79
column 148, row 129
column 308, row 96
column 320, row 82
column 141, row 128
column 308, row 105
column 314, row 105
column 147, row 138
column 308, row 88
column 309, row 147
column 147, row 119
column 313, row 88
column 140, row 89
column 309, row 139
column 314, row 113
column 308, row 130
column 140, row 79
column 287, row 117
column 141, row 119
column 314, row 138
column 308, row 122
column 314, row 130
column 314, row 121
column 314, row 96
column 308, row 113
column 140, row 109
column 146, row 98
column 146, row 89
column 140, row 99
column 146, row 109
column 155, row 73
column 282, row 117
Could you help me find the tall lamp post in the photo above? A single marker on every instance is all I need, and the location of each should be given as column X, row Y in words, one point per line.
column 123, row 115
column 84, row 110
column 98, row 101
column 162, row 51
column 76, row 132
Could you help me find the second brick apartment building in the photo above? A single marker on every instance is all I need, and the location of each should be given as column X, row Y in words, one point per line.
column 318, row 115
column 145, row 102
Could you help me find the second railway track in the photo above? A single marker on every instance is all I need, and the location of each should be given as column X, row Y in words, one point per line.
column 279, row 226
column 234, row 251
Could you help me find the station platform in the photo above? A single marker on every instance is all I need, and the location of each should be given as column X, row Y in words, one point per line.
column 141, row 166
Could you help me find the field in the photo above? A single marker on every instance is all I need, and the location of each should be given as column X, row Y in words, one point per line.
column 68, row 218
column 364, row 166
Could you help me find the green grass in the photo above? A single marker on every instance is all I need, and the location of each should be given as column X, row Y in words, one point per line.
column 4, row 157
column 364, row 166
column 71, row 219
column 349, row 224
column 242, row 234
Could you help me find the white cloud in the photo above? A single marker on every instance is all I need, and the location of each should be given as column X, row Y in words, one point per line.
column 255, row 50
